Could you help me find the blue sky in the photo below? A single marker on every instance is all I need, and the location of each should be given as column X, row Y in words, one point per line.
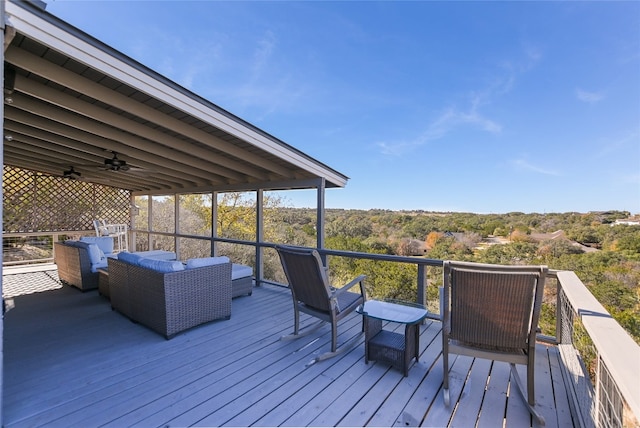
column 486, row 107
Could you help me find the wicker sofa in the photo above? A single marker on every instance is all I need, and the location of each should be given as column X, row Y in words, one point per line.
column 170, row 302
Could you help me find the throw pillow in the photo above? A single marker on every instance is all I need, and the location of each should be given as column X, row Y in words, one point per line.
column 104, row 242
column 95, row 255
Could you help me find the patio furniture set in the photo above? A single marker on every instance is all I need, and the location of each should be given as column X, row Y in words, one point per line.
column 151, row 287
column 488, row 311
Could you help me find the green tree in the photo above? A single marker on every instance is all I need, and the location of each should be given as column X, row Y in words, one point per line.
column 509, row 254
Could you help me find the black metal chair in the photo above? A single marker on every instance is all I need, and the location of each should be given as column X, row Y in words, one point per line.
column 492, row 312
column 313, row 295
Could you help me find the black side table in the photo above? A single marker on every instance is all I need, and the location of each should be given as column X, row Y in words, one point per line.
column 388, row 346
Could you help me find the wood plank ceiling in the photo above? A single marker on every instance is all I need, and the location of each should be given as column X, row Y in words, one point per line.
column 71, row 102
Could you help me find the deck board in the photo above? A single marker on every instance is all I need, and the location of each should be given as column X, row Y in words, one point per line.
column 495, row 396
column 473, row 392
column 72, row 361
column 561, row 401
column 396, row 400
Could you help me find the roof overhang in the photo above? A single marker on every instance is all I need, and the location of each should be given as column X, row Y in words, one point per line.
column 72, row 101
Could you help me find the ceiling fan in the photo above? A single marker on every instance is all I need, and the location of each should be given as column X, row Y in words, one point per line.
column 115, row 164
column 71, row 173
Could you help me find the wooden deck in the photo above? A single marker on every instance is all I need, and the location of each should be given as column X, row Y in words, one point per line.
column 71, row 361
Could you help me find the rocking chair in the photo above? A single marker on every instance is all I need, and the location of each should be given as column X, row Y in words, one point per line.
column 313, row 295
column 492, row 312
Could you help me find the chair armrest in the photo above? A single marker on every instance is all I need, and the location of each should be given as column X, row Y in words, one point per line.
column 358, row 280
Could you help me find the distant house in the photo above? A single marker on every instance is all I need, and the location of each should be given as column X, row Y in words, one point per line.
column 631, row 221
column 416, row 247
column 457, row 235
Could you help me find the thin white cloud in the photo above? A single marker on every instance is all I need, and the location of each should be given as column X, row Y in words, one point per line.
column 524, row 165
column 263, row 53
column 513, row 69
column 453, row 118
column 447, row 122
column 266, row 88
column 589, row 97
column 617, row 146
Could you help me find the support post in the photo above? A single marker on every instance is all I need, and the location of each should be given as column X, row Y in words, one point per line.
column 150, row 223
column 320, row 217
column 259, row 234
column 176, row 226
column 422, row 285
column 2, row 30
column 214, row 223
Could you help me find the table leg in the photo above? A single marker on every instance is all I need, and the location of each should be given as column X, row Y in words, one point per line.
column 417, row 329
column 372, row 326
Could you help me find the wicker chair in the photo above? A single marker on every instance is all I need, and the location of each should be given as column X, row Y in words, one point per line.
column 313, row 295
column 492, row 312
column 74, row 266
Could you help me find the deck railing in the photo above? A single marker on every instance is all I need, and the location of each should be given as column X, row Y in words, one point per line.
column 601, row 362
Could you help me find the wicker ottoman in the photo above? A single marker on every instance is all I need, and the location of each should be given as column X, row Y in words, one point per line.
column 241, row 280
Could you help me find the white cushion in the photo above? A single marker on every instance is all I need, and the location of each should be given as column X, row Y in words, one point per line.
column 240, row 271
column 162, row 266
column 95, row 255
column 131, row 258
column 100, row 265
column 157, row 254
column 206, row 261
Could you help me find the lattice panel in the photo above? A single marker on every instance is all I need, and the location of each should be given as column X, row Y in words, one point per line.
column 33, row 202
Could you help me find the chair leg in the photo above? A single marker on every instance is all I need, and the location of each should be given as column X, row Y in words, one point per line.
column 527, row 401
column 530, row 382
column 445, row 372
column 296, row 319
column 334, row 336
column 297, row 332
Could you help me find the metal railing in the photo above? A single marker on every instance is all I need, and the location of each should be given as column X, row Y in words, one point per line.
column 44, row 240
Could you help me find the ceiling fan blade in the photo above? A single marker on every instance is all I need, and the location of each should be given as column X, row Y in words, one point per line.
column 71, row 173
